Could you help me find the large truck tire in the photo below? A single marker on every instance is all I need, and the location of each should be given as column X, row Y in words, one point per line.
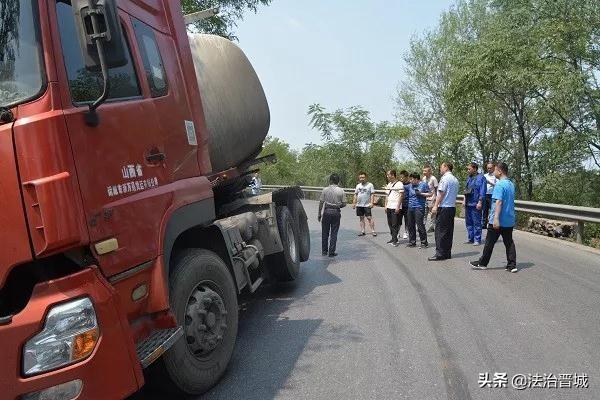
column 301, row 221
column 204, row 300
column 285, row 266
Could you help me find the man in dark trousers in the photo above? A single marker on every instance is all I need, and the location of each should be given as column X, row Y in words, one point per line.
column 501, row 221
column 417, row 192
column 405, row 179
column 473, row 203
column 445, row 211
column 333, row 199
column 393, row 205
column 490, row 178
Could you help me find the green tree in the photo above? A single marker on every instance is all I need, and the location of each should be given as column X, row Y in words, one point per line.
column 230, row 11
column 570, row 40
column 316, row 163
column 439, row 129
column 514, row 80
column 352, row 143
column 284, row 171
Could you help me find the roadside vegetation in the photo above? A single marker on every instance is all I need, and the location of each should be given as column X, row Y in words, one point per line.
column 510, row 80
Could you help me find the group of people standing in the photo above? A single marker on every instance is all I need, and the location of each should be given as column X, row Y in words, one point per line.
column 488, row 204
column 407, row 197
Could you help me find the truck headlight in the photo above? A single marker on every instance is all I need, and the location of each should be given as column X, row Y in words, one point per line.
column 64, row 391
column 70, row 334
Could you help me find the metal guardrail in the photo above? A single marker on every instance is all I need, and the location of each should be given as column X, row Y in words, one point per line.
column 566, row 212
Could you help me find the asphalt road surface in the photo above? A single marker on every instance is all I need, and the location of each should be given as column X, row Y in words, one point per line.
column 379, row 322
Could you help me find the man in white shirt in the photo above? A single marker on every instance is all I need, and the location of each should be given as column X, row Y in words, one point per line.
column 364, row 197
column 491, row 182
column 433, row 185
column 445, row 211
column 393, row 205
column 256, row 184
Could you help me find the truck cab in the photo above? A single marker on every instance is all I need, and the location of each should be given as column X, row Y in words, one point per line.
column 123, row 247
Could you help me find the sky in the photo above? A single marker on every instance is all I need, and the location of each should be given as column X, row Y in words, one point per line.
column 338, row 53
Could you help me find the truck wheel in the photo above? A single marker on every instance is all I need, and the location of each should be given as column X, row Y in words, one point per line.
column 285, row 266
column 204, row 300
column 301, row 221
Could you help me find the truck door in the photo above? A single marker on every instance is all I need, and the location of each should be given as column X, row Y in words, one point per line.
column 158, row 55
column 122, row 164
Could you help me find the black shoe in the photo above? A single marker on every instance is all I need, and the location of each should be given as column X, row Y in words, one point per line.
column 411, row 245
column 395, row 244
column 332, row 255
column 390, row 241
column 436, row 258
column 424, row 245
column 324, row 253
column 361, row 234
column 476, row 265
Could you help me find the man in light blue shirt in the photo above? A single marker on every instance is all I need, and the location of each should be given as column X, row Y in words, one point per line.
column 501, row 221
column 445, row 211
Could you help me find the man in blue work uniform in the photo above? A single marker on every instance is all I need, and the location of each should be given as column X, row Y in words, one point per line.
column 474, row 198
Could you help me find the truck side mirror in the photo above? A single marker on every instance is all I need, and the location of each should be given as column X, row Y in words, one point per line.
column 98, row 21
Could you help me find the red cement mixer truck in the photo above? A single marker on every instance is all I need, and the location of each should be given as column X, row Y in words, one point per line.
column 126, row 146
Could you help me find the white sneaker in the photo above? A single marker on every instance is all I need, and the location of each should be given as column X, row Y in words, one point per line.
column 405, row 236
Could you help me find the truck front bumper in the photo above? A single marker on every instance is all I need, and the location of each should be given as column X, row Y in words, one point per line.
column 110, row 372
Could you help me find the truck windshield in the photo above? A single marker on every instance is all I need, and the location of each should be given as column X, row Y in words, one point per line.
column 21, row 71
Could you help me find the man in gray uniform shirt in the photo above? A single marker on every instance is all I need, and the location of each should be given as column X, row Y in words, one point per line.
column 333, row 199
column 445, row 210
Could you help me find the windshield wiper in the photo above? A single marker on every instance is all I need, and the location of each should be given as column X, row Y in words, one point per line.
column 6, row 115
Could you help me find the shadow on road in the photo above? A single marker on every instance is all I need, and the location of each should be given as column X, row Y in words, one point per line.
column 520, row 266
column 525, row 265
column 465, row 254
column 269, row 342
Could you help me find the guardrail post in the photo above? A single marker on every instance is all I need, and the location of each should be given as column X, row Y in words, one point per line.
column 580, row 228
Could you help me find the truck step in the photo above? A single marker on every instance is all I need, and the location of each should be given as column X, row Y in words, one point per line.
column 159, row 341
